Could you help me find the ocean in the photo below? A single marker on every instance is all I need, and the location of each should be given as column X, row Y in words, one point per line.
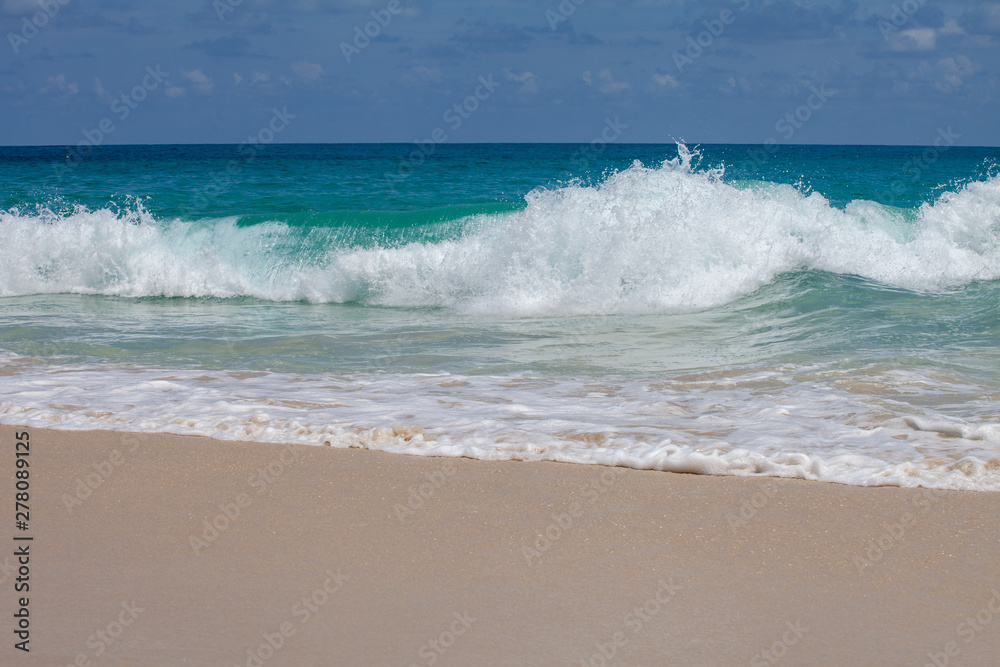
column 829, row 313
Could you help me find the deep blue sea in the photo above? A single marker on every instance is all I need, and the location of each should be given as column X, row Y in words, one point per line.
column 823, row 312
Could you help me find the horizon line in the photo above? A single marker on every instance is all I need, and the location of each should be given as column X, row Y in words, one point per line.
column 487, row 143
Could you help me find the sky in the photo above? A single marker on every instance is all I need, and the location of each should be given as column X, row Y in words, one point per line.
column 634, row 71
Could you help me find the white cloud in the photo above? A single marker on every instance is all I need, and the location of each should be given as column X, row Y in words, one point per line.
column 99, row 88
column 953, row 71
column 916, row 39
column 201, row 81
column 58, row 84
column 605, row 82
column 307, row 70
column 259, row 77
column 175, row 91
column 734, row 84
column 951, row 28
column 665, row 80
column 528, row 81
column 237, row 79
column 429, row 73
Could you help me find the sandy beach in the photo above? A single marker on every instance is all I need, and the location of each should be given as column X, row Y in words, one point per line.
column 174, row 550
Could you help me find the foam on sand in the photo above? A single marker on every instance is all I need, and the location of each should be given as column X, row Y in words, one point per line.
column 871, row 426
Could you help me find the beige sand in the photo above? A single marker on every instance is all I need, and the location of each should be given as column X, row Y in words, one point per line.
column 638, row 567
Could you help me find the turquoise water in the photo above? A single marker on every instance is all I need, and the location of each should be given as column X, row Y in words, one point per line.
column 827, row 312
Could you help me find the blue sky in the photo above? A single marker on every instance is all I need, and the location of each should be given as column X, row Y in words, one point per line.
column 218, row 71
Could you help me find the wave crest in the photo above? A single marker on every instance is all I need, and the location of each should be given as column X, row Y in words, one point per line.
column 646, row 239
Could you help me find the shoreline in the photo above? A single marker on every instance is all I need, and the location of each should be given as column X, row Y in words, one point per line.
column 154, row 549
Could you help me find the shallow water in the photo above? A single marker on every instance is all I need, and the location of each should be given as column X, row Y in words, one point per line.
column 828, row 313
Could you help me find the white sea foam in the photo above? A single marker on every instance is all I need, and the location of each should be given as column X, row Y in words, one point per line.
column 874, row 426
column 662, row 239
